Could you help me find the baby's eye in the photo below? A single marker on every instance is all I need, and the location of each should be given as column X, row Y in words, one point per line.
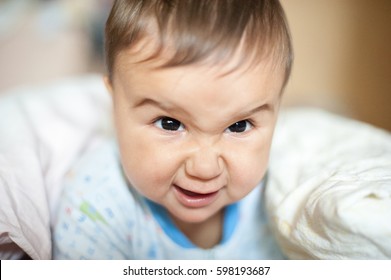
column 170, row 124
column 239, row 127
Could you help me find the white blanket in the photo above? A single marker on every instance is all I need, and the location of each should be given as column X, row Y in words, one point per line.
column 329, row 194
column 42, row 131
column 329, row 185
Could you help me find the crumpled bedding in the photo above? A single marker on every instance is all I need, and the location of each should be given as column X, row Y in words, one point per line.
column 328, row 192
column 43, row 130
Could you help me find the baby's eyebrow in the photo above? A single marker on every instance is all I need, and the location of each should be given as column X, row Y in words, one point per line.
column 151, row 102
column 148, row 101
column 265, row 107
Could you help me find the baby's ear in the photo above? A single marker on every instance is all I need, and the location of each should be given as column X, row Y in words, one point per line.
column 108, row 84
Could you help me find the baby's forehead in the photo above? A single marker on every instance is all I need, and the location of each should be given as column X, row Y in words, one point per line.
column 136, row 74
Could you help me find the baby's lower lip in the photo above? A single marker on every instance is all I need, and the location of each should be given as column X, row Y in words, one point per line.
column 194, row 200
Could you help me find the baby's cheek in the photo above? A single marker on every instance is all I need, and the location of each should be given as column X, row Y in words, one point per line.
column 249, row 176
column 152, row 173
column 247, row 171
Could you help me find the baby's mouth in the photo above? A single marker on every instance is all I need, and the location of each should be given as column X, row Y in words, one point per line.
column 194, row 199
column 194, row 194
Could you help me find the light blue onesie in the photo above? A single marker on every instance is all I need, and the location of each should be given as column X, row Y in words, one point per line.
column 101, row 217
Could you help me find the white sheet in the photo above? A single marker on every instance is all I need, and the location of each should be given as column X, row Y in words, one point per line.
column 329, row 194
column 42, row 131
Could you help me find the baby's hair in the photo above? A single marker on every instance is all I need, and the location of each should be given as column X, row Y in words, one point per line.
column 198, row 30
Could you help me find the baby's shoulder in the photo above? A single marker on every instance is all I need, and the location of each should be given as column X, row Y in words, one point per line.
column 98, row 171
column 97, row 182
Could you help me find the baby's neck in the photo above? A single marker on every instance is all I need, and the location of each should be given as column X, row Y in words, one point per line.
column 204, row 235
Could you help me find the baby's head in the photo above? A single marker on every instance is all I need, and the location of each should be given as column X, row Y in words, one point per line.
column 196, row 88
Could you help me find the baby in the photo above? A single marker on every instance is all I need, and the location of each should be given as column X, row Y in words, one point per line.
column 196, row 87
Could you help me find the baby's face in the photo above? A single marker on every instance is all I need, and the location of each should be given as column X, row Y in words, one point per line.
column 194, row 138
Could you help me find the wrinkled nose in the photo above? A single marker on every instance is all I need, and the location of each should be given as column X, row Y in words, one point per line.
column 204, row 164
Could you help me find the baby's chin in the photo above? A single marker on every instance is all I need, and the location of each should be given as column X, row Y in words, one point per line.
column 194, row 216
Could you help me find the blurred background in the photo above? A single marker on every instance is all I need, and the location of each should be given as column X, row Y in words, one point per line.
column 342, row 57
column 44, row 40
column 342, row 50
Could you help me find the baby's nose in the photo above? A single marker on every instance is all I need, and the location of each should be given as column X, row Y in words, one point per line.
column 204, row 164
